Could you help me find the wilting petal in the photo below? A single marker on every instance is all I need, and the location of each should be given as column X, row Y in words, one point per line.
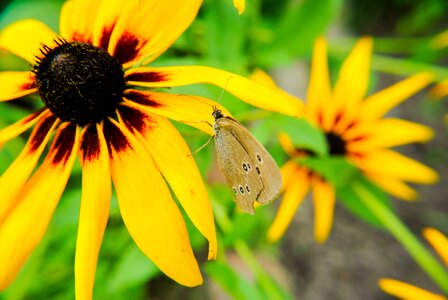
column 353, row 78
column 240, row 5
column 389, row 133
column 25, row 226
column 21, row 126
column 394, row 186
column 77, row 20
column 94, row 212
column 173, row 158
column 192, row 110
column 150, row 214
column 406, row 291
column 319, row 87
column 390, row 163
column 18, row 172
column 14, row 85
column 25, row 38
column 292, row 198
column 109, row 12
column 380, row 103
column 149, row 28
column 243, row 88
column 438, row 241
column 324, row 201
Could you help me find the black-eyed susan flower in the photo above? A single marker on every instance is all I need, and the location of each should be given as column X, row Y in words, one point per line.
column 408, row 291
column 92, row 110
column 356, row 130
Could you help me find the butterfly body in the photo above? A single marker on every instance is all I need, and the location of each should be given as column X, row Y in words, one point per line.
column 249, row 169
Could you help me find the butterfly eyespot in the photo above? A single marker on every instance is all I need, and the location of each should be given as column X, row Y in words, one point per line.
column 258, row 170
column 234, row 190
column 245, row 167
column 241, row 189
column 259, row 158
column 247, row 188
column 249, row 166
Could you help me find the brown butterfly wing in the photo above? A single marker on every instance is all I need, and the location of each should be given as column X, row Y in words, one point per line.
column 265, row 166
column 238, row 168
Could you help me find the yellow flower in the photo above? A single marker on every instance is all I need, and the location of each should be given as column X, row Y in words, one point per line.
column 441, row 89
column 354, row 129
column 407, row 291
column 240, row 5
column 91, row 109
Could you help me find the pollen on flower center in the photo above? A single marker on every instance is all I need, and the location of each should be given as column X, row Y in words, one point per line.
column 336, row 144
column 78, row 82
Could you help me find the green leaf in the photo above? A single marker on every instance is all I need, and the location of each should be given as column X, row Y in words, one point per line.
column 234, row 284
column 303, row 21
column 303, row 134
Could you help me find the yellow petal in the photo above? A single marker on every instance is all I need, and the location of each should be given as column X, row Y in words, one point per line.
column 192, row 110
column 258, row 75
column 148, row 211
column 94, row 212
column 14, row 85
column 353, row 78
column 21, row 126
column 109, row 11
column 319, row 88
column 240, row 5
column 393, row 186
column 406, row 291
column 173, row 158
column 438, row 241
column 324, row 201
column 288, row 171
column 292, row 198
column 247, row 90
column 25, row 226
column 389, row 133
column 440, row 90
column 380, row 103
column 18, row 172
column 25, row 38
column 149, row 28
column 286, row 143
column 389, row 163
column 77, row 20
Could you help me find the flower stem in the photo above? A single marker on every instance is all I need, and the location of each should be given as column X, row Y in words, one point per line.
column 420, row 254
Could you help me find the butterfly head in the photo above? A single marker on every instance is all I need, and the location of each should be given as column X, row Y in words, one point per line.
column 217, row 113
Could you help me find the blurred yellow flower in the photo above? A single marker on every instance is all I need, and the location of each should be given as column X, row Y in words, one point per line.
column 408, row 291
column 240, row 5
column 356, row 130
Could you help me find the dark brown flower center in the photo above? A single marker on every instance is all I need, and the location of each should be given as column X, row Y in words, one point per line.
column 336, row 144
column 78, row 82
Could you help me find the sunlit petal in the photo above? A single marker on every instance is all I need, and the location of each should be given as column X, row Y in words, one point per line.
column 390, row 163
column 149, row 213
column 240, row 5
column 319, row 105
column 292, row 198
column 173, row 158
column 382, row 102
column 21, row 126
column 14, row 85
column 389, row 133
column 324, row 201
column 18, row 172
column 25, row 38
column 394, row 187
column 247, row 90
column 438, row 241
column 77, row 20
column 149, row 28
column 258, row 75
column 25, row 226
column 192, row 110
column 353, row 78
column 406, row 291
column 94, row 212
